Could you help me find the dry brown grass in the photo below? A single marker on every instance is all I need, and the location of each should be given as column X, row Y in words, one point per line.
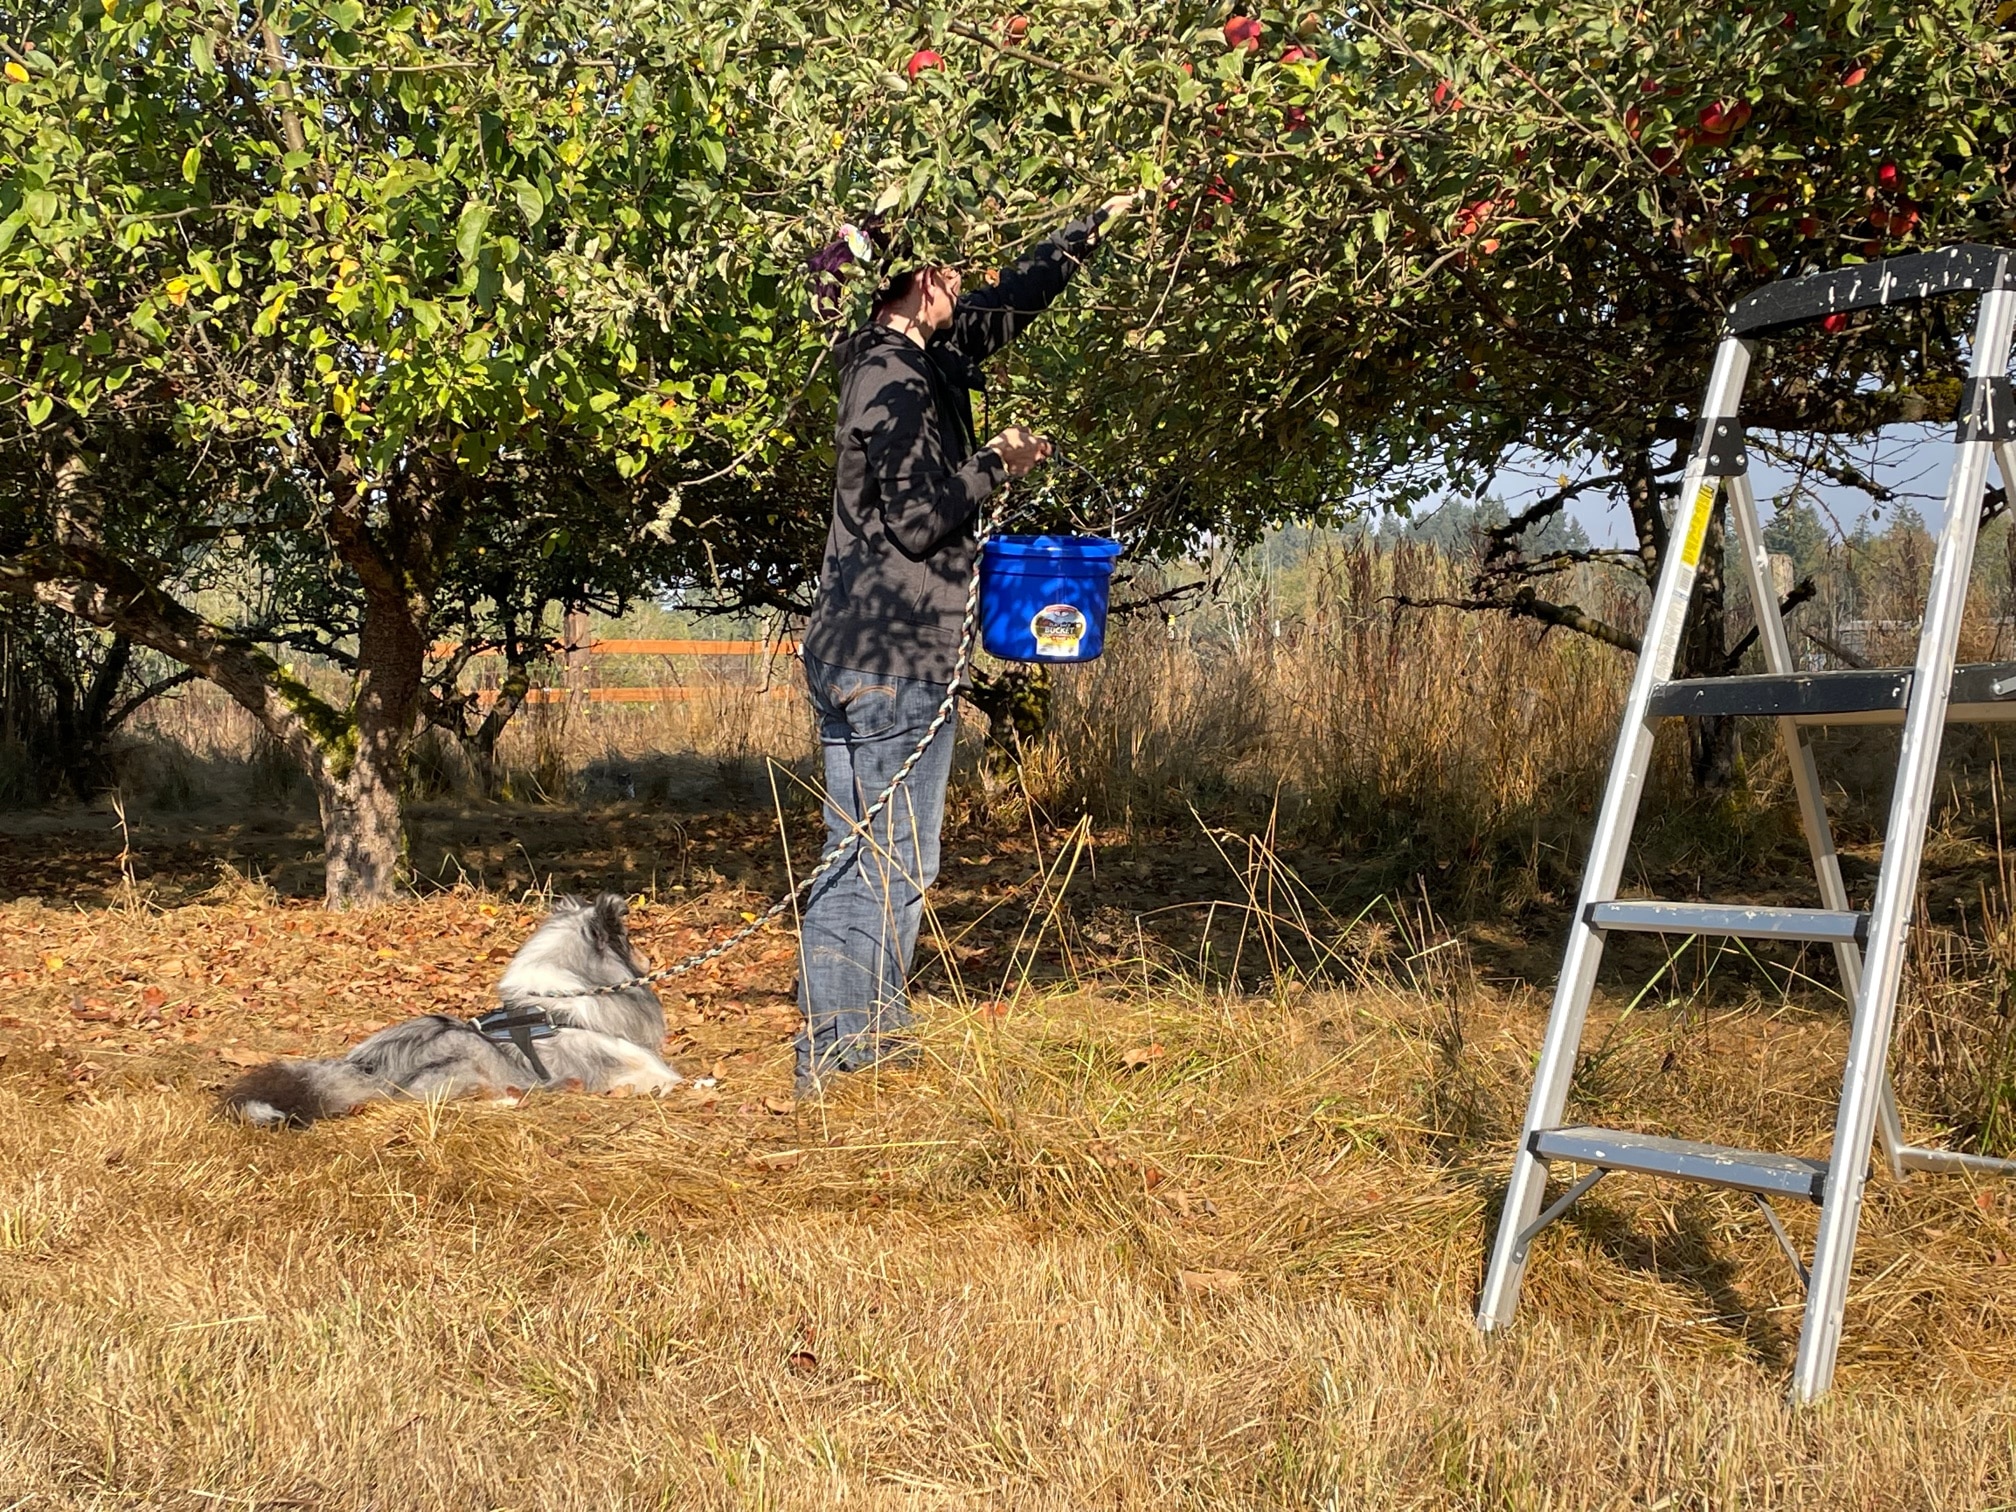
column 1026, row 1275
column 1361, row 717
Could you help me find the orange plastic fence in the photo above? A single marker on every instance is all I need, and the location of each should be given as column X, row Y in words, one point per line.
column 445, row 649
column 644, row 695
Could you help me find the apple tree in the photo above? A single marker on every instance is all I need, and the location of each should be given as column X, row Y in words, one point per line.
column 321, row 287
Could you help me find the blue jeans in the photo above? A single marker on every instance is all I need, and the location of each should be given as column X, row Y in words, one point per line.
column 858, row 929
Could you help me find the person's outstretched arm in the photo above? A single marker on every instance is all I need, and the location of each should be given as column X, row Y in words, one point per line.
column 925, row 501
column 986, row 321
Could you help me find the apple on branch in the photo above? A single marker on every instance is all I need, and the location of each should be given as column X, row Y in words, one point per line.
column 1243, row 31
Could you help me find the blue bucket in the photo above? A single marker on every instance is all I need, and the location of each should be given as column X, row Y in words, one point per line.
column 1043, row 597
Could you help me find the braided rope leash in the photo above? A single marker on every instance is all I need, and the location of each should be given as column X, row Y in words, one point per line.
column 839, row 852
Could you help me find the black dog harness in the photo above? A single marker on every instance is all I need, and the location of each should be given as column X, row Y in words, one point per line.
column 518, row 1027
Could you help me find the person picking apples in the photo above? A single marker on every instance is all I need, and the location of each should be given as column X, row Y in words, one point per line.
column 909, row 485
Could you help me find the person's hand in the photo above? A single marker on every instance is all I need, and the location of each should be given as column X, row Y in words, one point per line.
column 1019, row 449
column 1116, row 210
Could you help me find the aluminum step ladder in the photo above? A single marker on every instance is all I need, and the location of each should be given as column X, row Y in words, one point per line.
column 1922, row 698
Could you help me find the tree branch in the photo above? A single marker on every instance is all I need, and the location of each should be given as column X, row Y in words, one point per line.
column 1526, row 604
column 1800, row 593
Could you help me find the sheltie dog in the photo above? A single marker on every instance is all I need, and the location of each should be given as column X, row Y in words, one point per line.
column 597, row 1042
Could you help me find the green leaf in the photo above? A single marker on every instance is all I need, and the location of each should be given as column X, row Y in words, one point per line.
column 203, row 52
column 469, row 230
column 39, row 408
column 192, row 163
column 531, row 204
column 715, row 154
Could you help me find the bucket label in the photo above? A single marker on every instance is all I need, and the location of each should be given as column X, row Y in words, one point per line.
column 1059, row 629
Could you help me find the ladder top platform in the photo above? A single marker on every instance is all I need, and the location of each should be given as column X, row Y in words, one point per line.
column 1684, row 1160
column 1873, row 696
column 1969, row 268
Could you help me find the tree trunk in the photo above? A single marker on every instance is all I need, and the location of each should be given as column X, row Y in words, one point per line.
column 1704, row 652
column 354, row 756
column 363, row 835
column 361, row 778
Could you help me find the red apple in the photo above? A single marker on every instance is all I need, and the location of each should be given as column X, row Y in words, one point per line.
column 1887, row 175
column 1295, row 118
column 1808, row 226
column 1472, row 217
column 1220, row 191
column 1836, row 322
column 1018, row 27
column 1243, row 31
column 922, row 59
column 1854, row 76
column 1634, row 120
column 1742, row 246
column 1294, row 55
column 1649, row 86
column 1445, row 94
column 1790, row 21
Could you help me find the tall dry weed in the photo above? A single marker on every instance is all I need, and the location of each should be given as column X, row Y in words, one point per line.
column 1450, row 731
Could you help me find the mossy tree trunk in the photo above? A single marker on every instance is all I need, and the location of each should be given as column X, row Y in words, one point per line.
column 354, row 753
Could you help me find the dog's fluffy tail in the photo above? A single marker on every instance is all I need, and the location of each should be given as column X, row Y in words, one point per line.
column 294, row 1093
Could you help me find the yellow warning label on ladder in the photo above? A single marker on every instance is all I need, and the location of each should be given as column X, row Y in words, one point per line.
column 1697, row 525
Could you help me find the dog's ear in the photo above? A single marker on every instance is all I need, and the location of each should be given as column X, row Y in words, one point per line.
column 612, row 911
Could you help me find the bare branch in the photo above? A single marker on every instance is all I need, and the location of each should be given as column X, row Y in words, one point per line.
column 1526, row 604
column 1800, row 593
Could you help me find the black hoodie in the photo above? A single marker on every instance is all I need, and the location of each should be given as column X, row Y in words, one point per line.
column 909, row 484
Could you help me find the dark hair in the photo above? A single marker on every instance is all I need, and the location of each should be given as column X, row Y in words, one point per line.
column 897, row 287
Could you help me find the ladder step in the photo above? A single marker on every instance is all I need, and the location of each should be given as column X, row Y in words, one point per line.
column 1981, row 693
column 1740, row 920
column 1684, row 1160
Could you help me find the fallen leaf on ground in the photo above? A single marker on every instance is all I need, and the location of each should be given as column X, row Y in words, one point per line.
column 776, row 1160
column 152, row 997
column 1198, row 1283
column 803, row 1361
column 1142, row 1055
column 1191, row 1204
column 781, row 1106
column 231, row 1055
